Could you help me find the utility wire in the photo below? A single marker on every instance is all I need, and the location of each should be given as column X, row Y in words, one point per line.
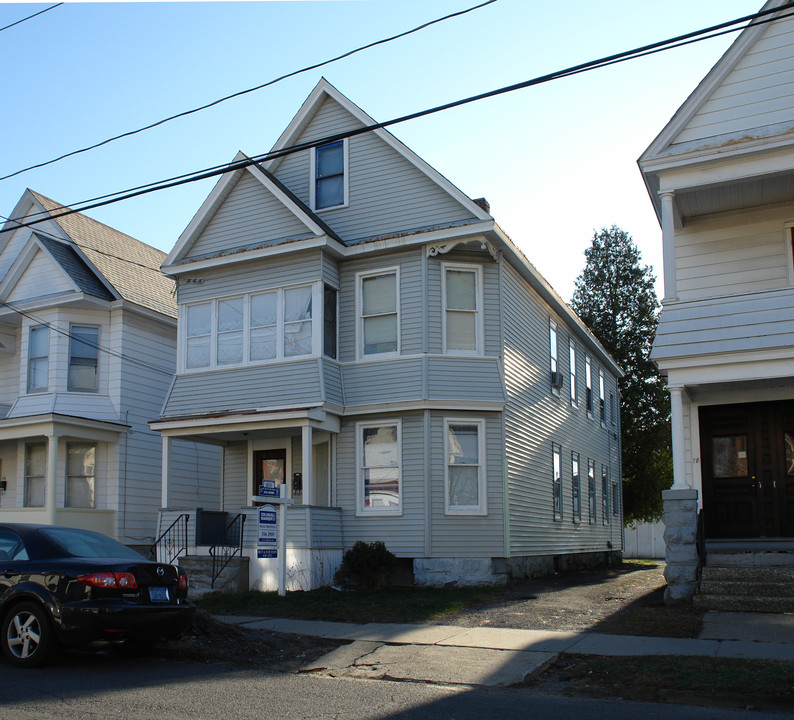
column 96, row 346
column 679, row 41
column 249, row 90
column 30, row 17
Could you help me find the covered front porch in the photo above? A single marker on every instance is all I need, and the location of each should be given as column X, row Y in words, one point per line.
column 290, row 452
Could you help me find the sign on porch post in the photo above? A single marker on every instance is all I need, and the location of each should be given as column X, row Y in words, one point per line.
column 267, row 538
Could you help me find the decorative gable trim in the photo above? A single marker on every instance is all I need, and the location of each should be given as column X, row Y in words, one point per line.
column 316, row 98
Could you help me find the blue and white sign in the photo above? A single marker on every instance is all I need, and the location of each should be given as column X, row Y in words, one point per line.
column 269, row 488
column 267, row 539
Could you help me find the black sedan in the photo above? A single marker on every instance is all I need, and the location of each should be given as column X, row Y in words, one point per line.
column 62, row 586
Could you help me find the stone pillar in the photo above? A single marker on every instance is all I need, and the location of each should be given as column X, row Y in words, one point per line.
column 680, row 537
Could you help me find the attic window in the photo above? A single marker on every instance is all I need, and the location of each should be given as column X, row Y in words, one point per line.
column 330, row 184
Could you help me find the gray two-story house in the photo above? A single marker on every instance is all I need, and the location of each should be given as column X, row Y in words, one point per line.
column 355, row 328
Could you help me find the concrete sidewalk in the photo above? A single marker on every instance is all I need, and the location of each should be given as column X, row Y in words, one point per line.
column 502, row 656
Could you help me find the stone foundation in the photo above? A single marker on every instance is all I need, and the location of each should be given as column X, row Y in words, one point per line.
column 680, row 537
column 437, row 572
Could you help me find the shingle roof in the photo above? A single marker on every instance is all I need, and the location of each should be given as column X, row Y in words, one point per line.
column 66, row 256
column 129, row 265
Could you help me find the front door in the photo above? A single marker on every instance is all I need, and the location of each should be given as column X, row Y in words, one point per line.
column 269, row 465
column 748, row 470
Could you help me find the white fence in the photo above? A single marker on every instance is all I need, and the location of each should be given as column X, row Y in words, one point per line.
column 645, row 540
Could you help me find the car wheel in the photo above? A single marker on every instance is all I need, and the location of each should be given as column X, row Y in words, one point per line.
column 26, row 635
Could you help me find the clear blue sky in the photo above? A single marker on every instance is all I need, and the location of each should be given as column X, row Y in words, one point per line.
column 555, row 161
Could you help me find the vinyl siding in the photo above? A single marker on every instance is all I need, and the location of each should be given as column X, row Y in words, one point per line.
column 732, row 253
column 333, row 388
column 245, row 388
column 467, row 535
column 42, row 278
column 249, row 215
column 382, row 381
column 756, row 93
column 235, row 482
column 404, row 534
column 293, row 269
column 535, row 418
column 465, row 378
column 387, row 193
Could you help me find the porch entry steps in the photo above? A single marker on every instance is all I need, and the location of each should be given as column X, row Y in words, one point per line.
column 747, row 581
column 233, row 578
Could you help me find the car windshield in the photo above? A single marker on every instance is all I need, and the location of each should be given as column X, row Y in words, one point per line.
column 87, row 544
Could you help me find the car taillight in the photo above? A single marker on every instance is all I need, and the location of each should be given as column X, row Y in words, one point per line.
column 183, row 583
column 120, row 580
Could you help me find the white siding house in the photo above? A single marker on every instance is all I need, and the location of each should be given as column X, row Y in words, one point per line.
column 721, row 177
column 87, row 354
column 355, row 328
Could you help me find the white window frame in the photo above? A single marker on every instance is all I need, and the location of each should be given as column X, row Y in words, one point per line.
column 556, row 481
column 482, row 489
column 588, row 385
column 478, row 312
column 27, row 477
column 576, row 488
column 31, row 358
column 316, row 289
column 360, row 277
column 605, row 488
column 68, row 475
column 361, row 509
column 602, row 406
column 572, row 373
column 592, row 492
column 72, row 339
column 313, row 177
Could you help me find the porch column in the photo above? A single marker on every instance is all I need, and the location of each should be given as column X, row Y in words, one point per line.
column 51, row 492
column 679, row 448
column 165, row 460
column 668, row 245
column 306, row 455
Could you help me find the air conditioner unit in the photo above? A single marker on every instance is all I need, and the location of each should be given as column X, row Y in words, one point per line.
column 556, row 380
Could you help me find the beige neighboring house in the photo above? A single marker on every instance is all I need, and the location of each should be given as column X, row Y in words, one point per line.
column 87, row 354
column 721, row 178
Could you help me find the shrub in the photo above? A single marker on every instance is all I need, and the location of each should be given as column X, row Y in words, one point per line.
column 368, row 565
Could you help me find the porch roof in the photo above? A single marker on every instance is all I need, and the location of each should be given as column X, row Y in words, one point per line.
column 61, row 425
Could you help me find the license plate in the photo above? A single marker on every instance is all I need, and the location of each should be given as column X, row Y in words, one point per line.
column 158, row 594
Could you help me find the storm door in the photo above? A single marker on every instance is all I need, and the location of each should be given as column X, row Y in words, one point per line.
column 269, row 466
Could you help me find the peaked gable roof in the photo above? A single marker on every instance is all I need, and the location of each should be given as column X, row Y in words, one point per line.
column 118, row 261
column 74, row 266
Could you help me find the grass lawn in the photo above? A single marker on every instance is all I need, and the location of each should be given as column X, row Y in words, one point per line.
column 387, row 605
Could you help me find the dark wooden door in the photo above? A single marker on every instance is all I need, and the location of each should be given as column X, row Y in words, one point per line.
column 748, row 470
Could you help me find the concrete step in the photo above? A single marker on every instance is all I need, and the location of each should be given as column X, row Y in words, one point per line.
column 748, row 574
column 747, row 589
column 744, row 603
column 748, row 558
column 233, row 578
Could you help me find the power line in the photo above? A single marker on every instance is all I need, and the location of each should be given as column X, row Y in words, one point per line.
column 30, row 17
column 96, row 346
column 660, row 46
column 249, row 90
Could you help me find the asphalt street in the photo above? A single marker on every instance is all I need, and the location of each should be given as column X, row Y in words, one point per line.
column 106, row 687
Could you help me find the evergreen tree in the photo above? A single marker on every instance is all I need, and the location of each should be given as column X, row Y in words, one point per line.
column 614, row 296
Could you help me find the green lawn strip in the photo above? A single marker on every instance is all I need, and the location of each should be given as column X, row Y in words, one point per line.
column 359, row 606
column 681, row 673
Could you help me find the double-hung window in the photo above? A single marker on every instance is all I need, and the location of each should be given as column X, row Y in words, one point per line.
column 591, row 490
column 80, row 475
column 329, row 188
column 602, row 406
column 553, row 353
column 35, row 474
column 556, row 462
column 588, row 385
column 379, row 318
column 605, row 494
column 83, row 358
column 572, row 371
column 464, row 449
column 615, row 496
column 576, row 488
column 462, row 309
column 250, row 328
column 379, row 470
column 38, row 359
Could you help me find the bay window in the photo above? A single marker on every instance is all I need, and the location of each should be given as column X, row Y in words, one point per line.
column 379, row 317
column 379, row 471
column 251, row 328
column 38, row 359
column 83, row 358
column 462, row 309
column 35, row 474
column 464, row 450
column 80, row 475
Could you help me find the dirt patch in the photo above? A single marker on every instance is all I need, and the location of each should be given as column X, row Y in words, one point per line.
column 626, row 600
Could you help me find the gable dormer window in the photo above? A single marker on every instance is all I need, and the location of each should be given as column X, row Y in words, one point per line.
column 329, row 176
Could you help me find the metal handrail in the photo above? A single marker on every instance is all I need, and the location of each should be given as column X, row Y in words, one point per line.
column 232, row 545
column 170, row 539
